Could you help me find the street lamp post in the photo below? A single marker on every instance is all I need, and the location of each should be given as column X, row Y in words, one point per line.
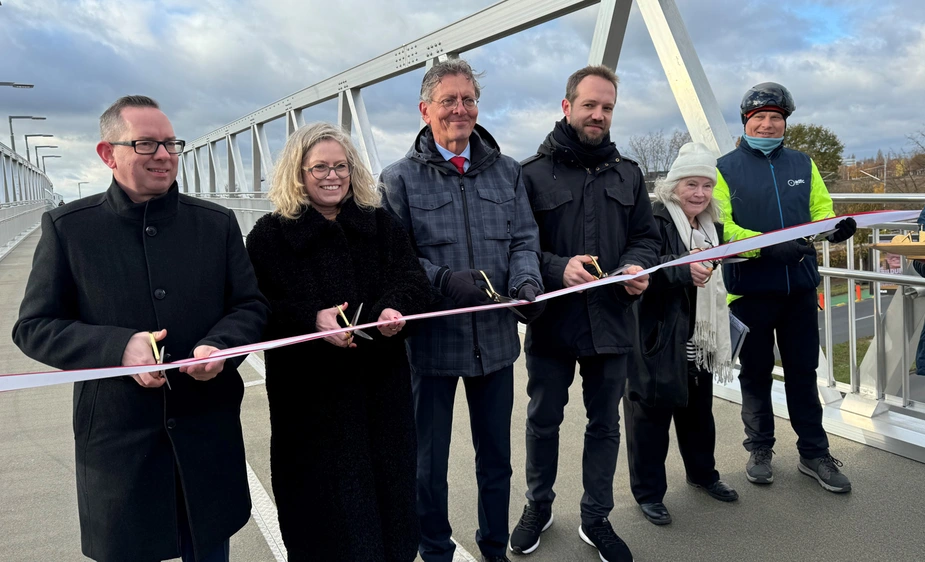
column 17, row 85
column 37, row 151
column 12, row 138
column 44, row 156
column 79, row 196
column 27, row 146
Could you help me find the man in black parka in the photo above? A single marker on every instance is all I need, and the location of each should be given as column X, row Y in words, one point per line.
column 160, row 471
column 588, row 201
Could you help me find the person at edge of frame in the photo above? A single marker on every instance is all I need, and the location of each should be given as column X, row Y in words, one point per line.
column 119, row 278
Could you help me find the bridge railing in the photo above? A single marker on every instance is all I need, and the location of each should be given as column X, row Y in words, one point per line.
column 880, row 402
column 25, row 193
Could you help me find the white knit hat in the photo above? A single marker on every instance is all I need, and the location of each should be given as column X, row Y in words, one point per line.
column 694, row 160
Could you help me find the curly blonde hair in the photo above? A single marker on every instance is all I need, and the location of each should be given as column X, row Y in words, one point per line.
column 287, row 190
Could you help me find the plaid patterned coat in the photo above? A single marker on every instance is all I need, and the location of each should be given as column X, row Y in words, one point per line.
column 477, row 220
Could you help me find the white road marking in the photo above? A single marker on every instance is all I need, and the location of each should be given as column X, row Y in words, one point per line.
column 461, row 554
column 263, row 510
column 258, row 365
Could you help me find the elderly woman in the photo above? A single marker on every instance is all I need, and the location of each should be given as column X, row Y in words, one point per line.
column 684, row 341
column 342, row 449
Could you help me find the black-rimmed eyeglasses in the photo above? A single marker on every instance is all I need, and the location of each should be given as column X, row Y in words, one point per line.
column 150, row 146
column 321, row 171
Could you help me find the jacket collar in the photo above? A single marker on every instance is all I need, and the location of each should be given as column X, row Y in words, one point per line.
column 484, row 151
column 565, row 155
column 160, row 207
column 301, row 231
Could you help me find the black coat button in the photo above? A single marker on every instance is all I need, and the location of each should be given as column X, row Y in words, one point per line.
column 171, row 423
column 151, row 231
column 159, row 294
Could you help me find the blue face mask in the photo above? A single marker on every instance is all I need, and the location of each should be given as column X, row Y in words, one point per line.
column 763, row 144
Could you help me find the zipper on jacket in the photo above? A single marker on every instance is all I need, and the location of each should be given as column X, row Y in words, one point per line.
column 780, row 209
column 475, row 333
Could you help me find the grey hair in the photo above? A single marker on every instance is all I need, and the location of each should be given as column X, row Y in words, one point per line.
column 454, row 67
column 665, row 192
column 601, row 71
column 112, row 125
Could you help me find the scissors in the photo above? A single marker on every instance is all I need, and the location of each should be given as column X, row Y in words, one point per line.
column 602, row 274
column 349, row 324
column 493, row 295
column 812, row 238
column 159, row 356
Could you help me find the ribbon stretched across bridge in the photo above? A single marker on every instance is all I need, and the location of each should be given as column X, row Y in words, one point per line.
column 17, row 381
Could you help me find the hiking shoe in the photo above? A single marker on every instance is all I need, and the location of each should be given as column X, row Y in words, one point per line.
column 610, row 547
column 825, row 471
column 526, row 536
column 758, row 467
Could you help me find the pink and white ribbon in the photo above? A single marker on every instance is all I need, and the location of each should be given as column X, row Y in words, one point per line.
column 18, row 381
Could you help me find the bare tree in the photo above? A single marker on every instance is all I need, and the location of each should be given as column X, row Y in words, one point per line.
column 655, row 152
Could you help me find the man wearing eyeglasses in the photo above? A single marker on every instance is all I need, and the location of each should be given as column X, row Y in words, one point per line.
column 124, row 278
column 466, row 209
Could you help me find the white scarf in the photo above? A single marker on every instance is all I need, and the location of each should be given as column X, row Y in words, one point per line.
column 711, row 319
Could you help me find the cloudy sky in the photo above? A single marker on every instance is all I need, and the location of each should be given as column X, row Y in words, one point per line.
column 854, row 66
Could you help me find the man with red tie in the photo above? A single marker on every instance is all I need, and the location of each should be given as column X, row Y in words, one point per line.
column 466, row 209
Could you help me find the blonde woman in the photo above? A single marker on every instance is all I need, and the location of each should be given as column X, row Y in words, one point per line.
column 342, row 444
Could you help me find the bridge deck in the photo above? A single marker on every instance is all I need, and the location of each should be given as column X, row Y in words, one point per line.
column 792, row 520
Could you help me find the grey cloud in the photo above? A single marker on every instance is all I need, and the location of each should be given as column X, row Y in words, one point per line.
column 211, row 62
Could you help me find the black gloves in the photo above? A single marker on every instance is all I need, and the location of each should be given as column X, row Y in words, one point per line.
column 791, row 252
column 846, row 229
column 460, row 286
column 528, row 292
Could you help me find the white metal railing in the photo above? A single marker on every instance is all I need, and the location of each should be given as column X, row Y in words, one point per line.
column 202, row 168
column 25, row 193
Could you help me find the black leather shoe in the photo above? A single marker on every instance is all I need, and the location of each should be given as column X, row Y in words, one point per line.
column 501, row 558
column 719, row 490
column 656, row 513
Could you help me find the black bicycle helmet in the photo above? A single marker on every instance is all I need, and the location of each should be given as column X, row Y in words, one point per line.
column 767, row 94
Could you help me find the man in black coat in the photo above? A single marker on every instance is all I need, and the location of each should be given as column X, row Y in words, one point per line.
column 588, row 201
column 160, row 469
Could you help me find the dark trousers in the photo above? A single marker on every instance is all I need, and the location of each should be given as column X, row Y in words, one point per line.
column 647, row 439
column 490, row 399
column 794, row 319
column 603, row 382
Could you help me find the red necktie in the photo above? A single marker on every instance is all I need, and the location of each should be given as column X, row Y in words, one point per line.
column 459, row 161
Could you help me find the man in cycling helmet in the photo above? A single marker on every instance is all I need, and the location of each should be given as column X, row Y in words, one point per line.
column 763, row 186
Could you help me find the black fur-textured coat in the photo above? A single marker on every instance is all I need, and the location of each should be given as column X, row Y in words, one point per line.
column 343, row 446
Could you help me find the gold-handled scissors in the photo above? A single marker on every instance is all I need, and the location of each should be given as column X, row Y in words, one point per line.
column 602, row 274
column 159, row 356
column 349, row 324
column 495, row 296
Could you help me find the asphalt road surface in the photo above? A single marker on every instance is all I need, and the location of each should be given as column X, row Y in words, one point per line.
column 864, row 318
